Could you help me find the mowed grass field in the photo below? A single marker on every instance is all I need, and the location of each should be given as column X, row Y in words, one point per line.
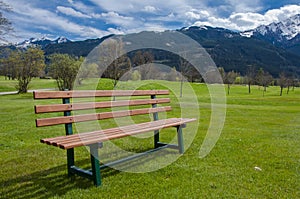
column 256, row 156
column 36, row 83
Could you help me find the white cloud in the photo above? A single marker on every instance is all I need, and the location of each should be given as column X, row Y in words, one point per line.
column 115, row 31
column 71, row 12
column 150, row 9
column 196, row 15
column 251, row 20
column 135, row 6
column 244, row 6
column 40, row 18
column 282, row 13
column 247, row 19
column 215, row 22
column 81, row 6
column 243, row 15
column 138, row 15
column 117, row 19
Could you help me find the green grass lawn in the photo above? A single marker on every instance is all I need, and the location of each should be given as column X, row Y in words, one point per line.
column 36, row 83
column 259, row 131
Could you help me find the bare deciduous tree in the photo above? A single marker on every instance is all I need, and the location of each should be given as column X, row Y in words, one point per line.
column 250, row 74
column 142, row 58
column 263, row 79
column 118, row 63
column 186, row 70
column 228, row 78
column 282, row 82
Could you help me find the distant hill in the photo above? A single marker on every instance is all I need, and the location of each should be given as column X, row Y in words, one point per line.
column 232, row 51
column 228, row 49
column 76, row 48
column 275, row 48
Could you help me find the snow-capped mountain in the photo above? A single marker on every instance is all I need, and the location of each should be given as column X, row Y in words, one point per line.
column 283, row 32
column 42, row 42
column 60, row 40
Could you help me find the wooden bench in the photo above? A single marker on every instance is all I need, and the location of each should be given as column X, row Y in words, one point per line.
column 92, row 139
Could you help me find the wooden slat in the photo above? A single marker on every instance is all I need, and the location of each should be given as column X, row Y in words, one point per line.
column 113, row 133
column 71, row 141
column 132, row 131
column 93, row 105
column 97, row 116
column 78, row 137
column 95, row 93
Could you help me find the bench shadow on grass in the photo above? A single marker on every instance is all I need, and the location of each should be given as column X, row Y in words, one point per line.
column 56, row 182
column 47, row 183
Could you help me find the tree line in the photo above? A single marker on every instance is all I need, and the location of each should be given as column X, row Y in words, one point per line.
column 25, row 64
column 261, row 78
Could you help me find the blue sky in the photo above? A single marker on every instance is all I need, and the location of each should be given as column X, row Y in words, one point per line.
column 83, row 19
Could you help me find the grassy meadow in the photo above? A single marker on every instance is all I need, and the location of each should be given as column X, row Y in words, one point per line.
column 36, row 83
column 256, row 156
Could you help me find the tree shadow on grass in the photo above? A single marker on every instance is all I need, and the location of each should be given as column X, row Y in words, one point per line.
column 47, row 183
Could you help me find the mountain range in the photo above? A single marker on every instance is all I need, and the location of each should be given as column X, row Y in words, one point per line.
column 274, row 47
column 43, row 42
column 285, row 34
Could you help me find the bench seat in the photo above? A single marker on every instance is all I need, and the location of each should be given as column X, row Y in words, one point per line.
column 83, row 139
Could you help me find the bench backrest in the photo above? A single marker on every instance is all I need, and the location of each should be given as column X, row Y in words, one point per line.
column 67, row 106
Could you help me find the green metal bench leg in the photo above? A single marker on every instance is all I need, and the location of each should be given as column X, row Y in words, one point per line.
column 155, row 118
column 156, row 139
column 69, row 131
column 95, row 164
column 70, row 161
column 180, row 139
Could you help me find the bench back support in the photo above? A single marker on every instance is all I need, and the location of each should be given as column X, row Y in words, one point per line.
column 67, row 107
column 96, row 93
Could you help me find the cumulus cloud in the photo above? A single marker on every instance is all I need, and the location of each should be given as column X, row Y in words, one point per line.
column 116, row 19
column 115, row 31
column 247, row 19
column 58, row 17
column 71, row 12
column 282, row 13
column 196, row 14
column 135, row 6
column 37, row 18
column 231, row 14
column 80, row 6
column 150, row 9
column 251, row 20
column 244, row 6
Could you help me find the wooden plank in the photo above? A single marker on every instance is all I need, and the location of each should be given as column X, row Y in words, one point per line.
column 97, row 116
column 77, row 137
column 95, row 93
column 132, row 131
column 67, row 142
column 94, row 105
column 123, row 128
